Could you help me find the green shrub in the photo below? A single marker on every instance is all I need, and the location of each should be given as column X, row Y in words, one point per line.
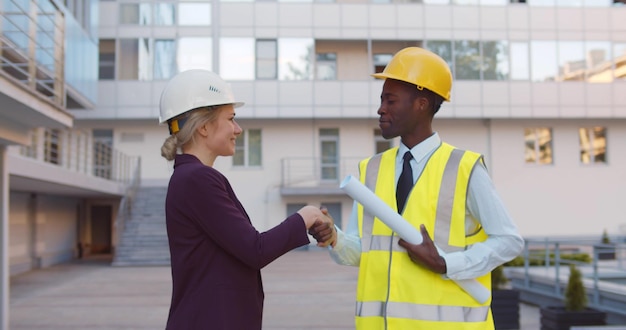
column 575, row 296
column 539, row 259
column 605, row 237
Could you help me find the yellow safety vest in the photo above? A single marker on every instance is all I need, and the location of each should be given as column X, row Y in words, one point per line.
column 393, row 292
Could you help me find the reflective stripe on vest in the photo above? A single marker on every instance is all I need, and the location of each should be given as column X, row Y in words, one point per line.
column 422, row 312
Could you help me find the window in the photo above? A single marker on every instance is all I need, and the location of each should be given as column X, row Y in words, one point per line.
column 381, row 144
column 248, row 148
column 266, row 59
column 495, row 60
column 194, row 14
column 326, row 66
column 295, row 58
column 164, row 14
column 543, row 60
column 619, row 60
column 598, row 61
column 571, row 61
column 334, row 210
column 106, row 69
column 380, row 61
column 134, row 61
column 135, row 13
column 102, row 153
column 538, row 145
column 194, row 53
column 236, row 63
column 592, row 145
column 520, row 65
column 329, row 151
column 467, row 61
column 164, row 58
column 52, row 146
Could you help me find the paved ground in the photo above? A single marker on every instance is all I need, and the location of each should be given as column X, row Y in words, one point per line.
column 303, row 289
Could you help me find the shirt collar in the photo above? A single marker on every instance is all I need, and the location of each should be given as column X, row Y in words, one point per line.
column 422, row 149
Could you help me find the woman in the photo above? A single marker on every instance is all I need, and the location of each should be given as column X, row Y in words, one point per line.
column 216, row 253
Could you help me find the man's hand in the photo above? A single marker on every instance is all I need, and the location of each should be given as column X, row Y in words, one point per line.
column 324, row 231
column 425, row 254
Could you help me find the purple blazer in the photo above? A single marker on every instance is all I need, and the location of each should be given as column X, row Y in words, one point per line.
column 216, row 252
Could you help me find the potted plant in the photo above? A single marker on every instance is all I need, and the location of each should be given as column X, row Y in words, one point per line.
column 606, row 250
column 504, row 301
column 575, row 310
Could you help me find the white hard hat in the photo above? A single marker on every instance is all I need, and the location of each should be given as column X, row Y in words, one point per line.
column 194, row 89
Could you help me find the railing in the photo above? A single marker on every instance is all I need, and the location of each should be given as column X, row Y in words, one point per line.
column 546, row 268
column 311, row 172
column 31, row 42
column 76, row 150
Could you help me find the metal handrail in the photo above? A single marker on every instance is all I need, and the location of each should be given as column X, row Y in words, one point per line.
column 552, row 251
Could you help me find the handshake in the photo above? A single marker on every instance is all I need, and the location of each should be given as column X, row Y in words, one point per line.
column 320, row 225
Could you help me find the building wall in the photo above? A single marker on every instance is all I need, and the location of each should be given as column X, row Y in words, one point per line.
column 43, row 230
column 566, row 198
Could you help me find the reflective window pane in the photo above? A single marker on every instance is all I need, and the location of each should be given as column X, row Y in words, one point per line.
column 164, row 14
column 194, row 53
column 592, row 145
column 295, row 58
column 106, row 69
column 254, row 147
column 135, row 13
column 240, row 150
column 164, row 59
column 196, row 14
column 571, row 60
column 598, row 56
column 237, row 58
column 538, row 145
column 619, row 61
column 467, row 61
column 135, row 59
column 329, row 152
column 380, row 61
column 495, row 59
column 543, row 61
column 266, row 59
column 326, row 66
column 520, row 69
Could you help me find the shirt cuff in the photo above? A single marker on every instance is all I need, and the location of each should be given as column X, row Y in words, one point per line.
column 339, row 244
column 455, row 263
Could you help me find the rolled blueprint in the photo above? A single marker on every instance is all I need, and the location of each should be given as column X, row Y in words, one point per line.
column 376, row 207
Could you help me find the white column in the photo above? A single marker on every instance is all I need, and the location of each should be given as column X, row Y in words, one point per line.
column 4, row 239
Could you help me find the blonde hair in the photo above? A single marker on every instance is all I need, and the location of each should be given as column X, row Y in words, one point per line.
column 195, row 119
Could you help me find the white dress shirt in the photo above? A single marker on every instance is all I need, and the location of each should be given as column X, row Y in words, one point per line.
column 484, row 208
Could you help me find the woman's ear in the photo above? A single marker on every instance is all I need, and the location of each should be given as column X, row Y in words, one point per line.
column 203, row 130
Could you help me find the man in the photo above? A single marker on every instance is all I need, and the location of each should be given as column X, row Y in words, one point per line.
column 451, row 199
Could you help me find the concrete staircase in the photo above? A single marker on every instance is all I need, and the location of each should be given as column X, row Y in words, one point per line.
column 143, row 241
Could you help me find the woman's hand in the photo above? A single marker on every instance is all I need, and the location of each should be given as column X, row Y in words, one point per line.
column 320, row 225
column 324, row 233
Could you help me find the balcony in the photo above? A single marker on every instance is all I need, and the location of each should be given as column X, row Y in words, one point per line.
column 71, row 163
column 312, row 177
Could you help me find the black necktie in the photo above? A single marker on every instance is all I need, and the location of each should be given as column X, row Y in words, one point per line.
column 405, row 182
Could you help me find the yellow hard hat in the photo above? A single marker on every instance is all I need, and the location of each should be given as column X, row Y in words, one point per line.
column 422, row 68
